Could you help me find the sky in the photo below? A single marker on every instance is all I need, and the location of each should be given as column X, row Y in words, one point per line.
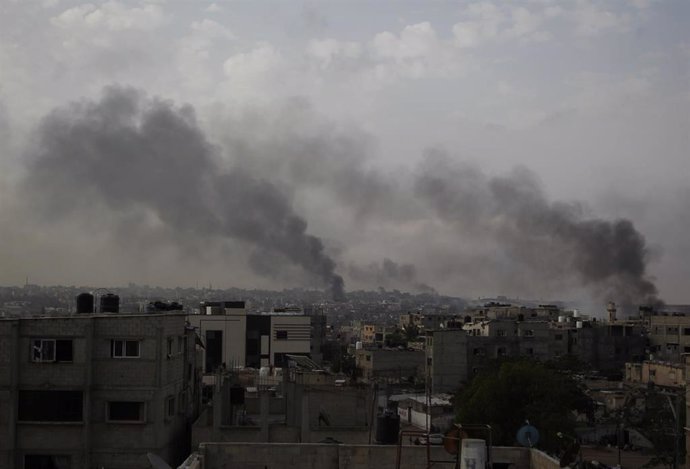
column 476, row 148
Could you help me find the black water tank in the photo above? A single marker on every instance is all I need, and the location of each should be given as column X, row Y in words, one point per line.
column 84, row 303
column 387, row 428
column 110, row 303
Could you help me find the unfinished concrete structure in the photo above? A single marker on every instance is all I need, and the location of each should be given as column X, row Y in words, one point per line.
column 389, row 364
column 302, row 407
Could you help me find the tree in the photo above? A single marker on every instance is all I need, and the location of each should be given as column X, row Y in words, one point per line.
column 511, row 392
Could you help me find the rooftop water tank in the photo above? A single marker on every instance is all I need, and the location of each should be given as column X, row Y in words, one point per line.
column 110, row 303
column 473, row 453
column 85, row 303
column 387, row 428
column 358, row 345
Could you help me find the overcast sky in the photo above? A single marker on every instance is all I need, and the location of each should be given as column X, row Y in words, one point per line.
column 354, row 112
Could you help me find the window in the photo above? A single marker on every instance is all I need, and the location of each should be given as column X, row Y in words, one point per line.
column 44, row 461
column 686, row 331
column 501, row 333
column 478, row 352
column 124, row 348
column 368, row 358
column 182, row 402
column 529, row 351
column 170, row 346
column 125, row 412
column 170, row 406
column 51, row 350
column 50, row 406
column 501, row 352
column 529, row 333
column 281, row 335
column 672, row 330
column 558, row 336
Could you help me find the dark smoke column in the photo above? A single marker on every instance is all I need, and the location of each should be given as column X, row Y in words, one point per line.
column 129, row 152
column 549, row 240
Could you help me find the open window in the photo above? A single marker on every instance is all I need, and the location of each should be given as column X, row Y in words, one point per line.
column 45, row 461
column 125, row 412
column 50, row 406
column 170, row 408
column 51, row 350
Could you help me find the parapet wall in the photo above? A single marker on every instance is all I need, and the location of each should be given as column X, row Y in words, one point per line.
column 325, row 456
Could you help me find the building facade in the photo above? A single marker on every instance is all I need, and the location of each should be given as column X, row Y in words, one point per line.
column 235, row 339
column 95, row 390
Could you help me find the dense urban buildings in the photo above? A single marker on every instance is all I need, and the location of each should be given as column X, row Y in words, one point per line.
column 101, row 386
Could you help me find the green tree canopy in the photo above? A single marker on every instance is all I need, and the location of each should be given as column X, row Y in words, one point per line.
column 511, row 392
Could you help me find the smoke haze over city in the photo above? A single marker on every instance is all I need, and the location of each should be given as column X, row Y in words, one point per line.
column 477, row 149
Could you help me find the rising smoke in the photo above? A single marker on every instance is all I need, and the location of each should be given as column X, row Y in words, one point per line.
column 389, row 274
column 453, row 224
column 608, row 257
column 128, row 151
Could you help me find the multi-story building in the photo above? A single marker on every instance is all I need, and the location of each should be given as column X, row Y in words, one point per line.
column 665, row 374
column 669, row 336
column 235, row 339
column 455, row 355
column 95, row 390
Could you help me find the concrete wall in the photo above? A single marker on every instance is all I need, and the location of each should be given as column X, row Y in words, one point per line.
column 389, row 363
column 321, row 456
column 539, row 460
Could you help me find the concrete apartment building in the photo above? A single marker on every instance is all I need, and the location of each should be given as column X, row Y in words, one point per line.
column 665, row 374
column 669, row 336
column 455, row 355
column 237, row 339
column 87, row 391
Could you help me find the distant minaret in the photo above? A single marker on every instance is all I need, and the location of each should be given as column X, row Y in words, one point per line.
column 611, row 308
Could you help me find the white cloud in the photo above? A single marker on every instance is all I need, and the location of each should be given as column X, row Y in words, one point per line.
column 326, row 51
column 213, row 8
column 484, row 21
column 591, row 19
column 255, row 72
column 112, row 16
column 415, row 41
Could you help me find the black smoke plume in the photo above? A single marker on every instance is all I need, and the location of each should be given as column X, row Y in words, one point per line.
column 128, row 151
column 553, row 239
column 387, row 274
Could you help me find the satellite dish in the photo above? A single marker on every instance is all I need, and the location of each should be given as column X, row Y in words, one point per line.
column 528, row 436
column 157, row 462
